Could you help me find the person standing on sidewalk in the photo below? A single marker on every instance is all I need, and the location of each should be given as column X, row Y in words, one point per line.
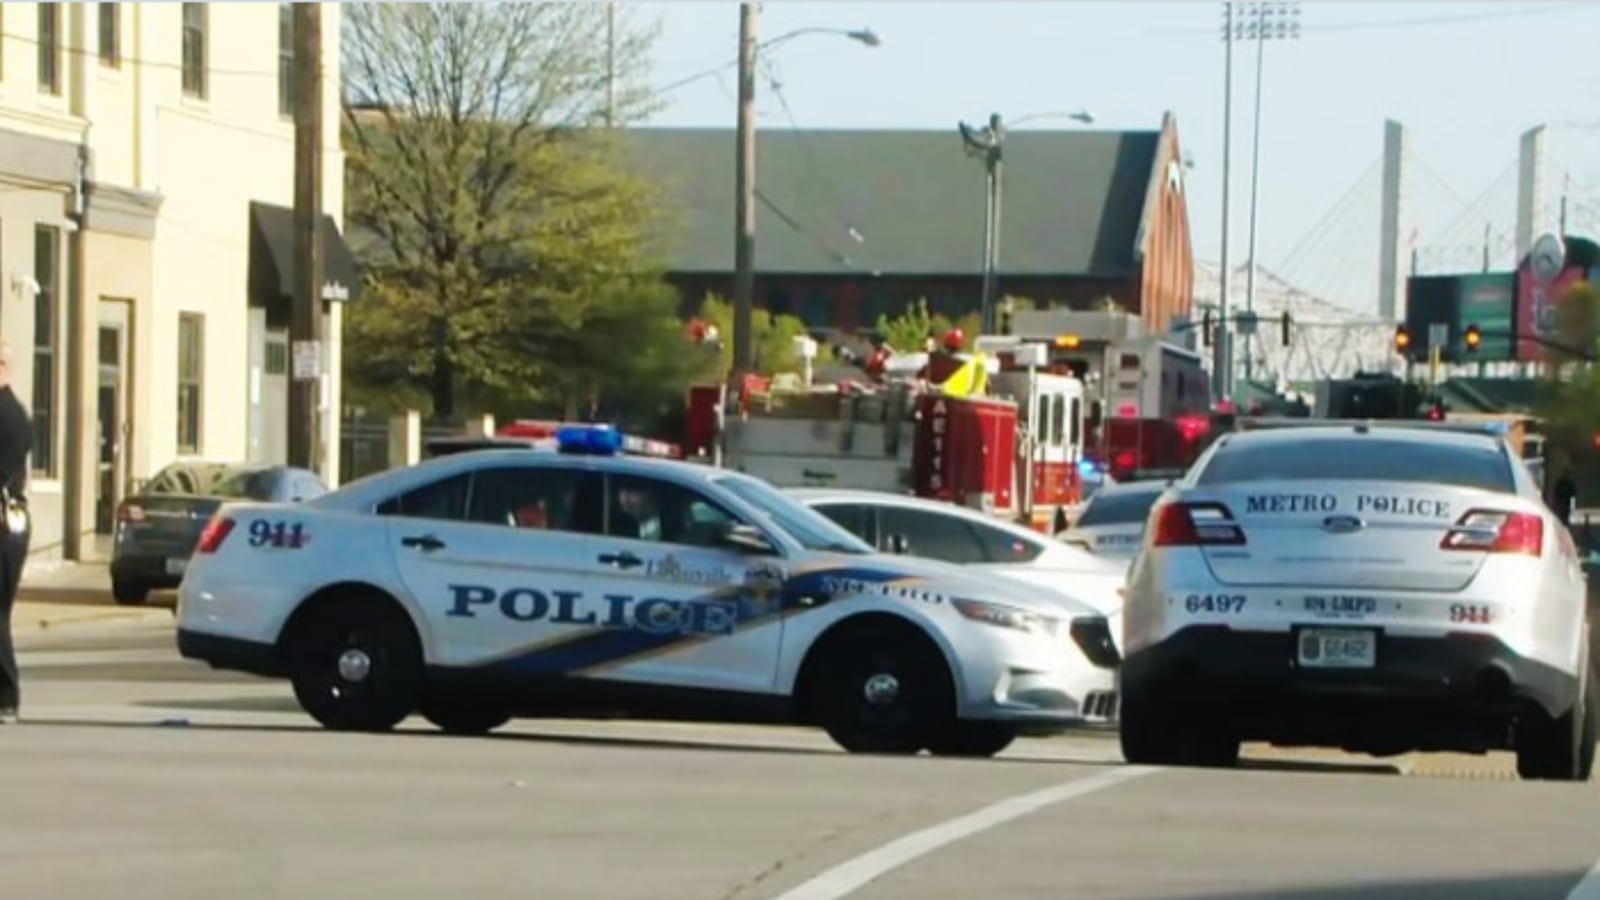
column 16, row 442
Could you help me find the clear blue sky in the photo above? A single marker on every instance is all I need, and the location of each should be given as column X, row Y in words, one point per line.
column 1465, row 78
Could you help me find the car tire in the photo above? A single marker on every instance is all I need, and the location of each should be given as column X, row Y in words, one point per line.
column 880, row 692
column 355, row 663
column 1147, row 729
column 462, row 716
column 1156, row 731
column 973, row 739
column 1561, row 749
column 129, row 593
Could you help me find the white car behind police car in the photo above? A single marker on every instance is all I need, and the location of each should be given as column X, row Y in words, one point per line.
column 948, row 532
column 1381, row 588
column 652, row 587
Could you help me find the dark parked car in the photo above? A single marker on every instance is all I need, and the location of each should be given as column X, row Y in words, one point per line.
column 157, row 529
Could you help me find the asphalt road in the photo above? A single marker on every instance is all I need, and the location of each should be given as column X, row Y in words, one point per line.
column 140, row 775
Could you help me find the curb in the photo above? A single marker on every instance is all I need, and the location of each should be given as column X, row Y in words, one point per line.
column 43, row 623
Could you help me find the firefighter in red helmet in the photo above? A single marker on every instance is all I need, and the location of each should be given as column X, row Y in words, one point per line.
column 947, row 357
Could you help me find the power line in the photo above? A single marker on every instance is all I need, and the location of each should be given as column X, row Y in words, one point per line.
column 140, row 62
column 812, row 163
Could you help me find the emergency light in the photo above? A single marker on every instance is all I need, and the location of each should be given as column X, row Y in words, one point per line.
column 593, row 440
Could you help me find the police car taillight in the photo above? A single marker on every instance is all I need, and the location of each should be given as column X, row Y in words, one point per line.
column 1493, row 531
column 1196, row 525
column 590, row 440
column 215, row 532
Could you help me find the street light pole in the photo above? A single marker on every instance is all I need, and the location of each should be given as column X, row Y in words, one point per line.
column 744, row 177
column 989, row 144
column 1222, row 353
column 1267, row 21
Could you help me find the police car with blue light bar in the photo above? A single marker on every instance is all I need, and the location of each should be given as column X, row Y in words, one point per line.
column 1376, row 587
column 481, row 586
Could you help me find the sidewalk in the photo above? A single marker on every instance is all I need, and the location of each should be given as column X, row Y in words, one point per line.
column 63, row 594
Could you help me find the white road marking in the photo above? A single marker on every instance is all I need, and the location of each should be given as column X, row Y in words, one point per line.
column 843, row 879
column 1588, row 888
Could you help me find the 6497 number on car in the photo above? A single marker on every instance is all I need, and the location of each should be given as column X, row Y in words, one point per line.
column 1214, row 603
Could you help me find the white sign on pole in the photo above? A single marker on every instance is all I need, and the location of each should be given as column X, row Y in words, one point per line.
column 307, row 360
column 1438, row 334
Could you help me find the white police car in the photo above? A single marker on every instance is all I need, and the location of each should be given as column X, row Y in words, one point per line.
column 480, row 586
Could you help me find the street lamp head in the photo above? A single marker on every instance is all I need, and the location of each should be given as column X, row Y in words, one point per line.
column 1083, row 116
column 864, row 36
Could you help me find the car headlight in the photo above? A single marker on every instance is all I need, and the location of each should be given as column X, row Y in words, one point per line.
column 1007, row 617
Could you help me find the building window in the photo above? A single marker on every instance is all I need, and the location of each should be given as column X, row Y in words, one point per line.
column 110, row 36
column 286, row 59
column 191, row 363
column 194, row 49
column 50, row 48
column 46, row 271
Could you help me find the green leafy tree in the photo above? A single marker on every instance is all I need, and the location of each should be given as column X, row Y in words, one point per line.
column 772, row 339
column 499, row 224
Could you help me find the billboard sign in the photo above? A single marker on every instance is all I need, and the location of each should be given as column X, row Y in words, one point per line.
column 1537, row 303
column 1486, row 301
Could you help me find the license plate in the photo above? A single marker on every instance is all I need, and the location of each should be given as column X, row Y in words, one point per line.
column 176, row 565
column 1337, row 648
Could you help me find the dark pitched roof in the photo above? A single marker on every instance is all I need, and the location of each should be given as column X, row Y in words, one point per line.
column 1072, row 204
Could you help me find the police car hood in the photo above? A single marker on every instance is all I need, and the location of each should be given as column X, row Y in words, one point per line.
column 971, row 584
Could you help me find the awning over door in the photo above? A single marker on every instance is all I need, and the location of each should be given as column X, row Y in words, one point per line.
column 273, row 263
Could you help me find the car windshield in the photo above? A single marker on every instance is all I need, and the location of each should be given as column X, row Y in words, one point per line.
column 250, row 484
column 809, row 528
column 1117, row 508
column 1363, row 458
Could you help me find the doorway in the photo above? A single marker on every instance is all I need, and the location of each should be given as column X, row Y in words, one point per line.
column 111, row 413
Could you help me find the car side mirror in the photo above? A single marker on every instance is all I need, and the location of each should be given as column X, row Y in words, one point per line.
column 898, row 544
column 747, row 539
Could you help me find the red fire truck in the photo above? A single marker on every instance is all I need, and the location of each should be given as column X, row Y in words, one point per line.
column 1149, row 400
column 1012, row 452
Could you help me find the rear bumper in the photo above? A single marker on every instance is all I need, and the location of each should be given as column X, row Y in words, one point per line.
column 146, row 570
column 1253, row 678
column 230, row 654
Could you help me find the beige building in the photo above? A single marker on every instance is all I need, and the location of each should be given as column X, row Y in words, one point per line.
column 147, row 301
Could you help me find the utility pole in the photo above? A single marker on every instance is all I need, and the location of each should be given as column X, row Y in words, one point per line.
column 744, row 247
column 611, row 65
column 305, row 321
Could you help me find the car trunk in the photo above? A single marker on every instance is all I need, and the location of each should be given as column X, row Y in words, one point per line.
column 1351, row 534
column 168, row 521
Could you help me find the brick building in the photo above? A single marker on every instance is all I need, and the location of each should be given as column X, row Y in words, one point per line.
column 851, row 224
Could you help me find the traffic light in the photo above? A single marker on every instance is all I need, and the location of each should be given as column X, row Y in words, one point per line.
column 1402, row 339
column 1472, row 338
column 1205, row 329
column 1288, row 325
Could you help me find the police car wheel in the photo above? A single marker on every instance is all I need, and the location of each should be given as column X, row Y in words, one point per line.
column 1561, row 749
column 1159, row 731
column 883, row 693
column 355, row 663
column 1148, row 730
column 463, row 716
column 973, row 739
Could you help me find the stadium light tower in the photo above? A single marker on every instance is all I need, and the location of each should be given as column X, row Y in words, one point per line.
column 1261, row 22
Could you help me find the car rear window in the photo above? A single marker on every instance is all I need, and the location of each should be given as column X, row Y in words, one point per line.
column 1117, row 508
column 1362, row 459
